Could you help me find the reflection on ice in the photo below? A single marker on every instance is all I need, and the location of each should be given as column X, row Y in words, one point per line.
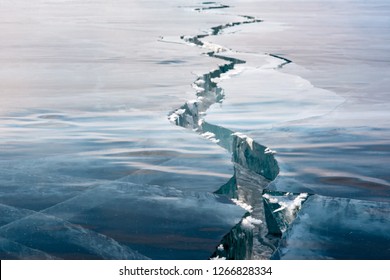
column 13, row 250
column 106, row 221
column 63, row 239
column 326, row 112
column 338, row 228
column 90, row 169
column 89, row 166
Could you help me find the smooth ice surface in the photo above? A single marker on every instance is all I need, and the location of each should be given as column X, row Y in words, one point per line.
column 326, row 113
column 338, row 228
column 90, row 167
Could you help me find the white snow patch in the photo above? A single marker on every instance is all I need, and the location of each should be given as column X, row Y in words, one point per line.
column 250, row 142
column 248, row 139
column 180, row 111
column 242, row 204
column 173, row 117
column 250, row 222
column 254, row 220
column 197, row 88
column 270, row 198
column 213, row 47
column 199, row 82
column 288, row 204
column 220, row 247
column 240, row 135
column 210, row 136
column 218, row 258
column 269, row 151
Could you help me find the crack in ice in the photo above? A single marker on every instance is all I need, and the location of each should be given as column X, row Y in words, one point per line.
column 254, row 164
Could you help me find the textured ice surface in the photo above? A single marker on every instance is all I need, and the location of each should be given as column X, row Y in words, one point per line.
column 326, row 113
column 338, row 228
column 90, row 167
column 108, row 220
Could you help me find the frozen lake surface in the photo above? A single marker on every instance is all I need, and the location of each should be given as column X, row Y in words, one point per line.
column 92, row 165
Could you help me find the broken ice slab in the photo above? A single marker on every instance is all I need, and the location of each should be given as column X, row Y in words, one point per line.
column 122, row 220
column 338, row 228
column 254, row 156
column 54, row 236
column 281, row 209
column 269, row 215
column 14, row 250
column 236, row 245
